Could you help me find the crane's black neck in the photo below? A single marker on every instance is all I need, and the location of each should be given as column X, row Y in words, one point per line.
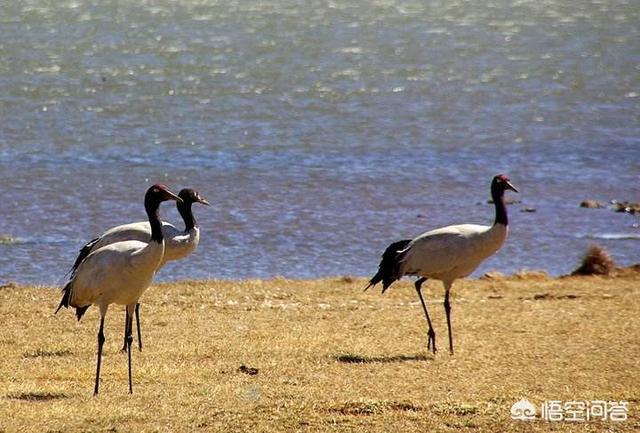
column 497, row 194
column 184, row 208
column 152, row 206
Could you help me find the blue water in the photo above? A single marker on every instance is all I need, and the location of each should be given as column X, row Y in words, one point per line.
column 320, row 131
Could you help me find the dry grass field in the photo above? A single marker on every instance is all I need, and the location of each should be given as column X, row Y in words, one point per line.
column 329, row 357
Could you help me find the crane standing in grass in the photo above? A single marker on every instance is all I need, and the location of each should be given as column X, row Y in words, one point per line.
column 446, row 254
column 178, row 243
column 119, row 273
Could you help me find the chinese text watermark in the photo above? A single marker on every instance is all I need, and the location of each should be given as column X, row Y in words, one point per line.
column 572, row 411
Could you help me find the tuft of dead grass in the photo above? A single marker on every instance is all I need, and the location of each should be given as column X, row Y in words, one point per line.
column 328, row 357
column 596, row 261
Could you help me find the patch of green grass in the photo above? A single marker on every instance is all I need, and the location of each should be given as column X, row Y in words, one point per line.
column 8, row 239
column 460, row 409
column 372, row 407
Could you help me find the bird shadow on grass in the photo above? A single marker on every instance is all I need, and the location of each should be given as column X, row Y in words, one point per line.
column 349, row 358
column 41, row 353
column 37, row 396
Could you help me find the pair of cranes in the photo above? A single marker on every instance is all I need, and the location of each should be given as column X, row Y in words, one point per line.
column 118, row 266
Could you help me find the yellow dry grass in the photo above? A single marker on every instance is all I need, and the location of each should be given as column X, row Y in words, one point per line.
column 329, row 357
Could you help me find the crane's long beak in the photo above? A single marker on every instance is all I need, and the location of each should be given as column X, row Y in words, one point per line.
column 511, row 187
column 172, row 196
column 203, row 201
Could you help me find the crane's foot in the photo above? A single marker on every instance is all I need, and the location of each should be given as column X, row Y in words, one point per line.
column 124, row 347
column 431, row 341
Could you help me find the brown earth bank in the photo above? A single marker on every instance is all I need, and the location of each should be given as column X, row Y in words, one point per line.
column 322, row 355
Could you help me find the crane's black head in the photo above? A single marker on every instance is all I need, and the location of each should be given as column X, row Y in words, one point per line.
column 189, row 196
column 155, row 195
column 158, row 193
column 499, row 185
column 502, row 183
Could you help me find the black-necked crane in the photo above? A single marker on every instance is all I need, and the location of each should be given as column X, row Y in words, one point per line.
column 446, row 254
column 178, row 243
column 119, row 273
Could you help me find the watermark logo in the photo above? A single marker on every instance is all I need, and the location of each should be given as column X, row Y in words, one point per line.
column 523, row 410
column 572, row 411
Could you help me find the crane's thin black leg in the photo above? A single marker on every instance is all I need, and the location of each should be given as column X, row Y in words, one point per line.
column 126, row 318
column 447, row 309
column 138, row 327
column 124, row 340
column 431, row 335
column 129, row 341
column 100, row 344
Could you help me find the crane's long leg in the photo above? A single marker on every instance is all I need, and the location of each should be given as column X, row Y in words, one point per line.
column 431, row 335
column 100, row 344
column 447, row 309
column 124, row 339
column 129, row 341
column 126, row 318
column 138, row 327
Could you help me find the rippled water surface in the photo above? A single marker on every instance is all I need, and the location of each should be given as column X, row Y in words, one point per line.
column 319, row 130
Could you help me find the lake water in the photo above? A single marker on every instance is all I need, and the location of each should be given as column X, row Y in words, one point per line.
column 320, row 131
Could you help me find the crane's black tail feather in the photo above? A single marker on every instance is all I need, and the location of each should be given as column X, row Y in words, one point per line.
column 66, row 298
column 388, row 265
column 66, row 290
